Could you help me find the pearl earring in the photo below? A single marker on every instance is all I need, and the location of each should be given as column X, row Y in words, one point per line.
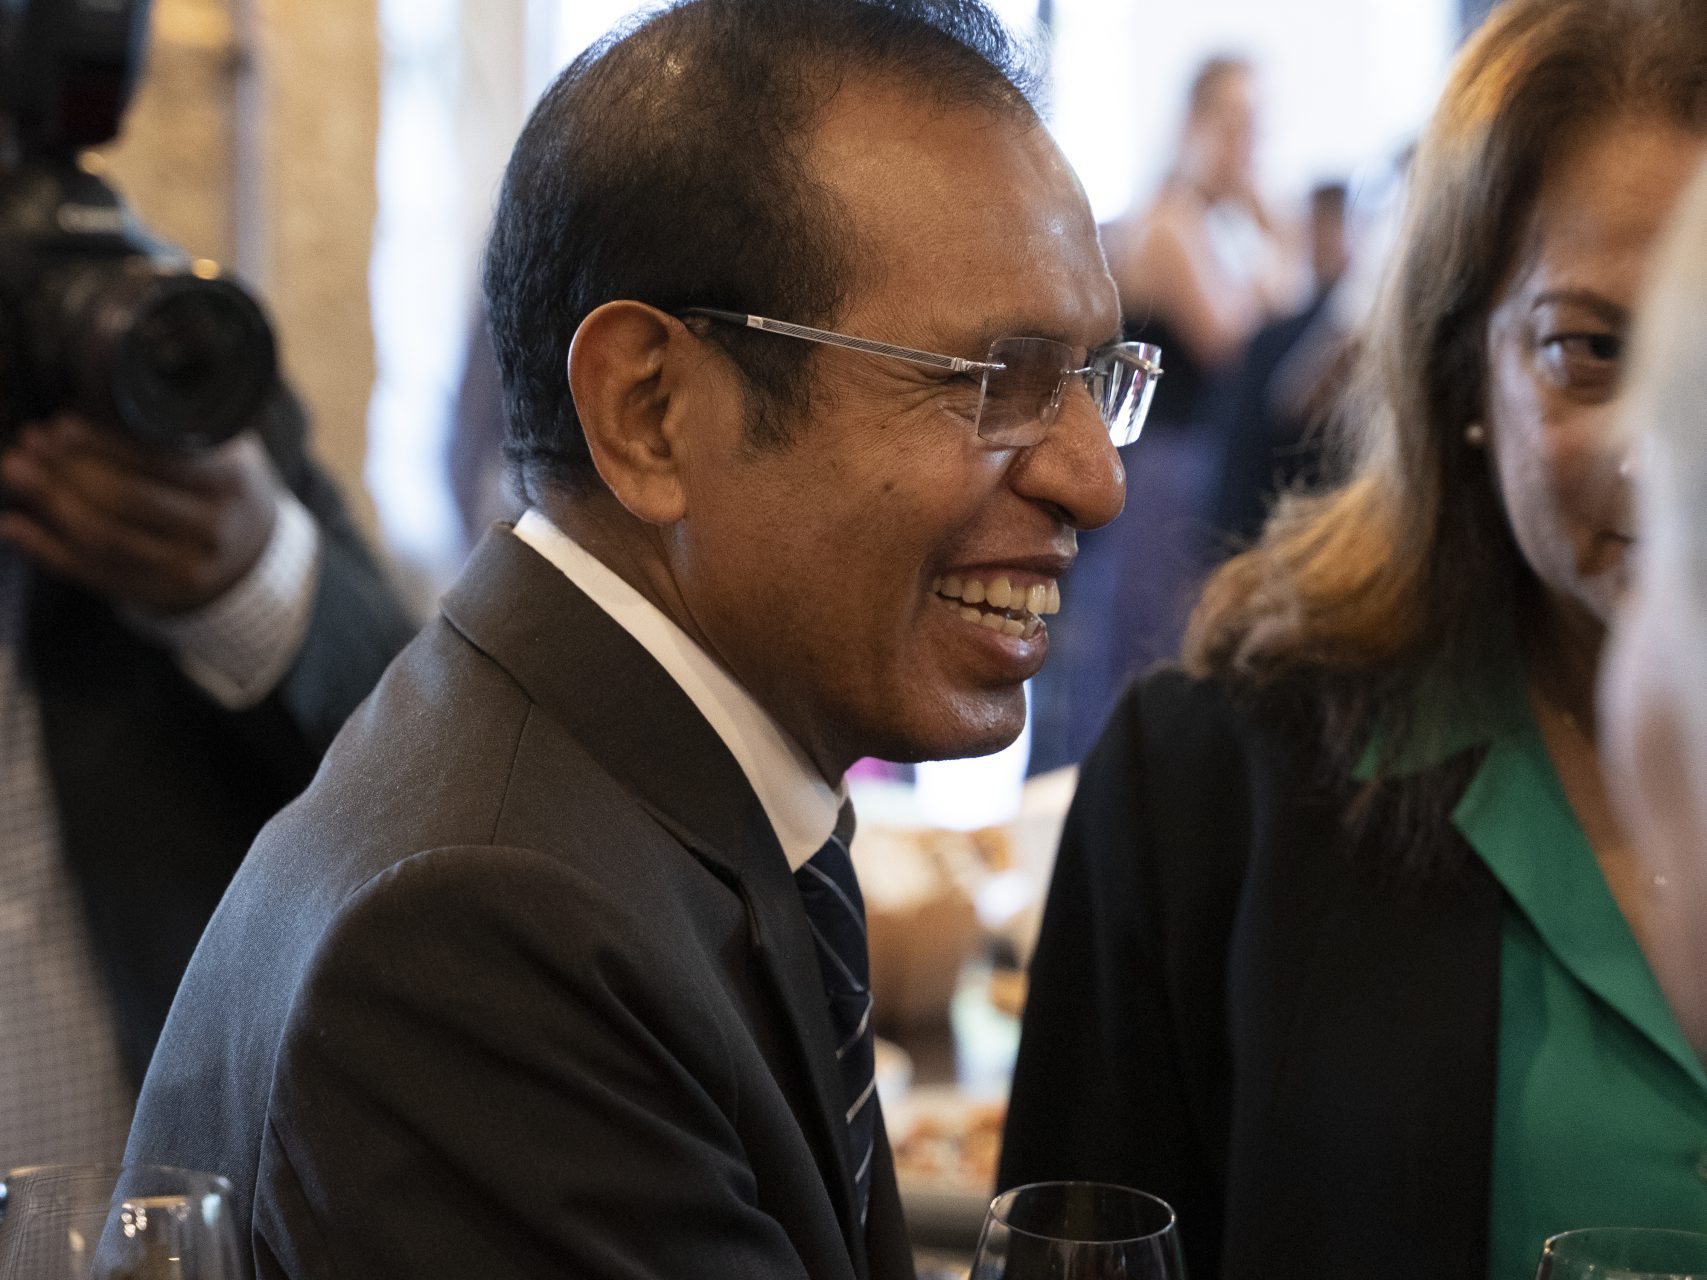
column 1475, row 435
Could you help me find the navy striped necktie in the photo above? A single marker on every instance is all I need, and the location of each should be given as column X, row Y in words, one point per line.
column 836, row 911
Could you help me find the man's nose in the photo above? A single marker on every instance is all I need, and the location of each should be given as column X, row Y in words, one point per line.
column 1075, row 468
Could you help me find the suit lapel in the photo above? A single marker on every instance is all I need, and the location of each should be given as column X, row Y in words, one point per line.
column 578, row 665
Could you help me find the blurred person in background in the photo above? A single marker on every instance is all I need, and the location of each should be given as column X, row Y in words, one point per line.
column 184, row 624
column 1279, row 423
column 1289, row 381
column 1205, row 265
column 1655, row 691
column 1346, row 955
column 1200, row 270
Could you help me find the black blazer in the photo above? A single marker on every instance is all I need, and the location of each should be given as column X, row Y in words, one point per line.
column 159, row 790
column 1232, row 1008
column 520, row 987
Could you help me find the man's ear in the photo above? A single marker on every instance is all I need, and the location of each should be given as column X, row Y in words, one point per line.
column 630, row 375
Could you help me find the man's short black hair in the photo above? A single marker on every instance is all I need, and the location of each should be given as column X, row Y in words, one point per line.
column 667, row 164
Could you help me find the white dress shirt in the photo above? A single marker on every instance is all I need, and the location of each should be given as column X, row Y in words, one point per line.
column 237, row 648
column 801, row 805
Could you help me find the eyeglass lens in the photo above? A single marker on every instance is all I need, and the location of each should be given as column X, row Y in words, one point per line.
column 1023, row 397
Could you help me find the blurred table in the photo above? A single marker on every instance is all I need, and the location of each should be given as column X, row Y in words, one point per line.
column 961, row 1067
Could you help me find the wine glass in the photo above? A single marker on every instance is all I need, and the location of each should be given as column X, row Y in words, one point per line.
column 1624, row 1253
column 1078, row 1231
column 116, row 1222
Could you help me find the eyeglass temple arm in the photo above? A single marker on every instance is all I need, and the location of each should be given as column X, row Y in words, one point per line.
column 910, row 354
column 1146, row 358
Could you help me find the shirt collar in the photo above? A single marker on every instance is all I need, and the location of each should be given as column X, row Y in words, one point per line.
column 802, row 807
column 1514, row 814
column 1447, row 718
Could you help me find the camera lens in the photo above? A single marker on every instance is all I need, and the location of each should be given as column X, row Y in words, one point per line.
column 175, row 360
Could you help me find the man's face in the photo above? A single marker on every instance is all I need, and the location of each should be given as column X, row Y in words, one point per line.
column 816, row 572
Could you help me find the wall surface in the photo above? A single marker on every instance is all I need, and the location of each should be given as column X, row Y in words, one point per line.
column 174, row 160
column 252, row 142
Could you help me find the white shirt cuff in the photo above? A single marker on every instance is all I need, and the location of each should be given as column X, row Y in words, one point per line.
column 237, row 648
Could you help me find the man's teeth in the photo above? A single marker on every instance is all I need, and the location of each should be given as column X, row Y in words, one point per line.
column 999, row 593
column 1009, row 626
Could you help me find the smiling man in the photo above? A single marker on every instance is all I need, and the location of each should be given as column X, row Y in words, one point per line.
column 559, row 968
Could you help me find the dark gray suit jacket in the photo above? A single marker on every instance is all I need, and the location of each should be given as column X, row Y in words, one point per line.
column 520, row 987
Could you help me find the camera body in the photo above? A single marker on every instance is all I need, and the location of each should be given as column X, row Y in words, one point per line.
column 96, row 316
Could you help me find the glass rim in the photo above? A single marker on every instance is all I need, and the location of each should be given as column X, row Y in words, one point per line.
column 1577, row 1234
column 1013, row 1192
column 100, row 1169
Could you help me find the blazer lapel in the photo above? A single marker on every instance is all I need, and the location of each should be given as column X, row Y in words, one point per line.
column 581, row 667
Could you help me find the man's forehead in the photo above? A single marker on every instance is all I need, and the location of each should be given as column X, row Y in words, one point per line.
column 963, row 200
column 970, row 324
column 886, row 142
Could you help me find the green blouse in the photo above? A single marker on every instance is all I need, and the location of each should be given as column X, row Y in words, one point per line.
column 1601, row 1106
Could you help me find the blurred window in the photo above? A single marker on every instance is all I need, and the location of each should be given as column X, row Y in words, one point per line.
column 420, row 280
column 1344, row 82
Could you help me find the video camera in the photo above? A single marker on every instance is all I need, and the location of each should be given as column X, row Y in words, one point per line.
column 96, row 316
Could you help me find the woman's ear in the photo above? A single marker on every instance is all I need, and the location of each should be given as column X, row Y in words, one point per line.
column 630, row 368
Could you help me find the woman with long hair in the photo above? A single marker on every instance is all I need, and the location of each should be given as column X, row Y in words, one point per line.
column 1347, row 956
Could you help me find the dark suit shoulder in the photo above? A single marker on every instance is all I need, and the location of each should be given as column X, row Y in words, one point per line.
column 1178, row 715
column 1183, row 771
column 514, row 947
column 426, row 755
column 461, row 894
column 461, row 1016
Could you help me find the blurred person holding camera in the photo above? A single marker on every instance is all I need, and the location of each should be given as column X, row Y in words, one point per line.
column 187, row 613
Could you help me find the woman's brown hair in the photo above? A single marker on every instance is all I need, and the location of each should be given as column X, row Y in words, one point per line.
column 1408, row 574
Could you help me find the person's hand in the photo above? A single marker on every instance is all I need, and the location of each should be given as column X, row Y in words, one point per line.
column 165, row 532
